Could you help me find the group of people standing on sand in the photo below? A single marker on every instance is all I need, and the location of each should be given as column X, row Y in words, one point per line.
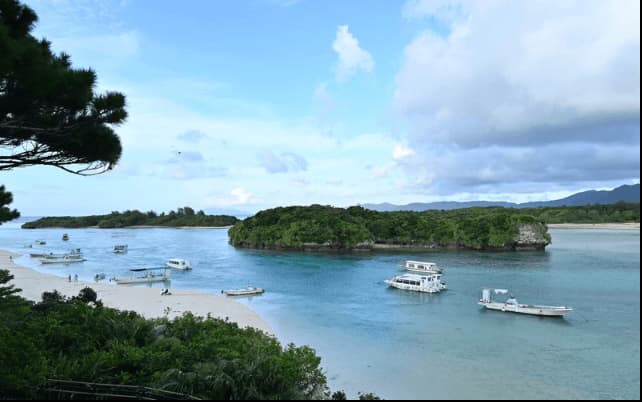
column 75, row 278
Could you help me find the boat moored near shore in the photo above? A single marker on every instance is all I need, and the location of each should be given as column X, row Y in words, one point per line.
column 250, row 290
column 512, row 306
column 145, row 275
column 180, row 264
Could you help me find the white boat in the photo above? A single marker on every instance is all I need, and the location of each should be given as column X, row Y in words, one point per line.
column 250, row 290
column 178, row 263
column 145, row 275
column 72, row 253
column 422, row 267
column 61, row 259
column 512, row 306
column 41, row 242
column 120, row 248
column 419, row 283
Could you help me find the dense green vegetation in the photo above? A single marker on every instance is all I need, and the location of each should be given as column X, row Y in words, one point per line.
column 609, row 213
column 482, row 228
column 79, row 339
column 50, row 113
column 181, row 217
column 355, row 227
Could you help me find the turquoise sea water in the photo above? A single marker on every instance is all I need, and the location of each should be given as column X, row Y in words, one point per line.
column 407, row 345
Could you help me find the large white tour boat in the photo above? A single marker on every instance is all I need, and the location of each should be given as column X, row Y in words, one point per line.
column 419, row 283
column 512, row 306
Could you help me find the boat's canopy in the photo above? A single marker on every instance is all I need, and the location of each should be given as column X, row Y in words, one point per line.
column 500, row 291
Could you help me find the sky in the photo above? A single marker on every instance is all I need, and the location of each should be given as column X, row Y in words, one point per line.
column 237, row 106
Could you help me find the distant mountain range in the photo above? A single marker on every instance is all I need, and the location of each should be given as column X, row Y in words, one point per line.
column 627, row 193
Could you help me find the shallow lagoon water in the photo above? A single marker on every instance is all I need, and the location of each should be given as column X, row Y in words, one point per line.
column 407, row 345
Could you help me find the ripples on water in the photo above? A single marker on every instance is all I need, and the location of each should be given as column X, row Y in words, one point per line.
column 409, row 345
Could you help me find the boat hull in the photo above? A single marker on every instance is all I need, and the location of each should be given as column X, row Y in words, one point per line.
column 243, row 292
column 545, row 311
column 129, row 281
column 61, row 260
column 413, row 288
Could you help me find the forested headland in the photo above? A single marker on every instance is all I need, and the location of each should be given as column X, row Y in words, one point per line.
column 318, row 227
column 181, row 217
column 356, row 228
column 619, row 212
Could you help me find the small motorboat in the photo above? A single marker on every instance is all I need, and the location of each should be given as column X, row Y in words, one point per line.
column 250, row 290
column 120, row 248
column 65, row 237
column 177, row 263
column 512, row 306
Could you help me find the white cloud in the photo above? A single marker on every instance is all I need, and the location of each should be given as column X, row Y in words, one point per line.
column 352, row 57
column 237, row 196
column 493, row 99
column 401, row 152
column 510, row 69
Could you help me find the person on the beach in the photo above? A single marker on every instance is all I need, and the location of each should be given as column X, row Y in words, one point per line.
column 76, row 278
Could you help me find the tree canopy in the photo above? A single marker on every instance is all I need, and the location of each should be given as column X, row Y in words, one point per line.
column 6, row 214
column 49, row 112
column 326, row 227
column 81, row 340
column 182, row 217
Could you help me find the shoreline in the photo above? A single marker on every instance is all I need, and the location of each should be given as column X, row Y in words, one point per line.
column 145, row 301
column 605, row 226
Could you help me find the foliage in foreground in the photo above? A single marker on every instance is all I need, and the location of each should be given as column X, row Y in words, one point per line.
column 78, row 339
column 181, row 217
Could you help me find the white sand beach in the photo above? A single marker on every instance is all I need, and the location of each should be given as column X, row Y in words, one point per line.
column 146, row 301
column 607, row 226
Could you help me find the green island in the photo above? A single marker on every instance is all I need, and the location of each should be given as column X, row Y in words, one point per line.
column 318, row 227
column 78, row 339
column 182, row 217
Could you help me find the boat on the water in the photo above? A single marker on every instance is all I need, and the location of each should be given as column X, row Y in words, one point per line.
column 512, row 306
column 41, row 242
column 179, row 264
column 250, row 290
column 72, row 253
column 65, row 237
column 120, row 248
column 145, row 275
column 430, row 283
column 62, row 259
column 422, row 267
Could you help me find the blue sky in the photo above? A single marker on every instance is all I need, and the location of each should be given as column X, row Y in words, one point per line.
column 245, row 105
